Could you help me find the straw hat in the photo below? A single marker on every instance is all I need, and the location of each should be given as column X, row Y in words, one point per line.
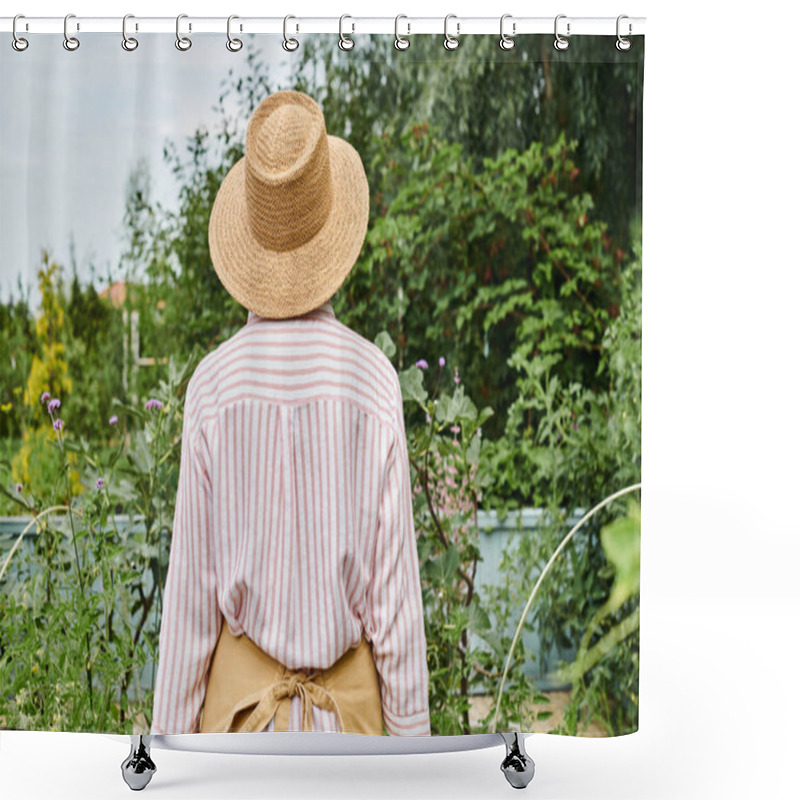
column 290, row 217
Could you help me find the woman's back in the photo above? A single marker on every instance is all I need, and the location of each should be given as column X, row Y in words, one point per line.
column 293, row 517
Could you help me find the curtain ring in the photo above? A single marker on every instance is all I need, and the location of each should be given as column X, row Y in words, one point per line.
column 18, row 43
column 181, row 42
column 450, row 42
column 507, row 42
column 622, row 43
column 400, row 42
column 561, row 43
column 128, row 42
column 290, row 45
column 70, row 42
column 345, row 42
column 234, row 45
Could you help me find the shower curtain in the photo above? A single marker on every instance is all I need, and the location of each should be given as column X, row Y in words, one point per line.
column 452, row 471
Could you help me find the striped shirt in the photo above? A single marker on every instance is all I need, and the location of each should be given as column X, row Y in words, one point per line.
column 293, row 519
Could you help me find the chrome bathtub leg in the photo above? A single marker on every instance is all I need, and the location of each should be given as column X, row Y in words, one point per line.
column 517, row 766
column 138, row 768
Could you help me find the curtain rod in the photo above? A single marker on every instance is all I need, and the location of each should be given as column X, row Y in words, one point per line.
column 456, row 26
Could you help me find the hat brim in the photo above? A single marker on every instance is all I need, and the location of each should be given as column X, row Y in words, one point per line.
column 275, row 284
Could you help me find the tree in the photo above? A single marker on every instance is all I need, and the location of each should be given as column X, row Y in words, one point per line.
column 488, row 100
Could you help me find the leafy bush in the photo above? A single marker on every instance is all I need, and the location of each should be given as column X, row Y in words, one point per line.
column 445, row 443
column 80, row 610
column 484, row 261
column 586, row 446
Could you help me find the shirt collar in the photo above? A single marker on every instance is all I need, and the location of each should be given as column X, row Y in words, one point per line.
column 323, row 311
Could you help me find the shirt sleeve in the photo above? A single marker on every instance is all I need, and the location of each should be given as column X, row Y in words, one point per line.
column 395, row 624
column 191, row 619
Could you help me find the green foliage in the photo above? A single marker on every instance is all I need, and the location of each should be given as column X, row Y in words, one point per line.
column 609, row 653
column 445, row 444
column 485, row 264
column 80, row 609
column 621, row 544
column 587, row 445
column 17, row 342
column 488, row 101
column 49, row 365
column 94, row 350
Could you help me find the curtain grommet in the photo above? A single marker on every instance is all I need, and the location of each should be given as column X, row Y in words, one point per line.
column 233, row 45
column 401, row 42
column 128, row 42
column 507, row 42
column 450, row 42
column 289, row 45
column 345, row 42
column 561, row 42
column 18, row 42
column 183, row 43
column 622, row 44
column 70, row 43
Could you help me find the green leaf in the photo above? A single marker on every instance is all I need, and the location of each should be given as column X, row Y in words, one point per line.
column 621, row 540
column 411, row 385
column 459, row 406
column 387, row 346
column 478, row 618
column 451, row 561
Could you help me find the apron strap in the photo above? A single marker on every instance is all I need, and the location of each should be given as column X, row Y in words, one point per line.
column 276, row 700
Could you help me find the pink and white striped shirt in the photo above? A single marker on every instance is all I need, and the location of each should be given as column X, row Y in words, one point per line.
column 293, row 519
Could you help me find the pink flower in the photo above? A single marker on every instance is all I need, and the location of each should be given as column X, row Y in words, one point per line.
column 456, row 379
column 153, row 403
column 19, row 488
column 45, row 397
column 441, row 361
column 422, row 364
column 100, row 483
column 58, row 424
column 53, row 405
column 113, row 420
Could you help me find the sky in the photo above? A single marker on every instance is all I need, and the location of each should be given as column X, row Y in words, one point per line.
column 75, row 125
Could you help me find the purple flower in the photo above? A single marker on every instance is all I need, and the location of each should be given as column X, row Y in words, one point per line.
column 574, row 426
column 45, row 396
column 57, row 424
column 456, row 379
column 19, row 488
column 441, row 361
column 422, row 364
column 53, row 404
column 113, row 420
column 455, row 429
column 153, row 403
column 100, row 483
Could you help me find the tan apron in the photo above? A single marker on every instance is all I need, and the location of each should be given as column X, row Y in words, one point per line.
column 246, row 688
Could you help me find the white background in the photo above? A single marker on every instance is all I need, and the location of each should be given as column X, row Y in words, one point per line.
column 721, row 541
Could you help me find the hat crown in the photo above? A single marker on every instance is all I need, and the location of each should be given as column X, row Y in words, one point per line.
column 287, row 171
